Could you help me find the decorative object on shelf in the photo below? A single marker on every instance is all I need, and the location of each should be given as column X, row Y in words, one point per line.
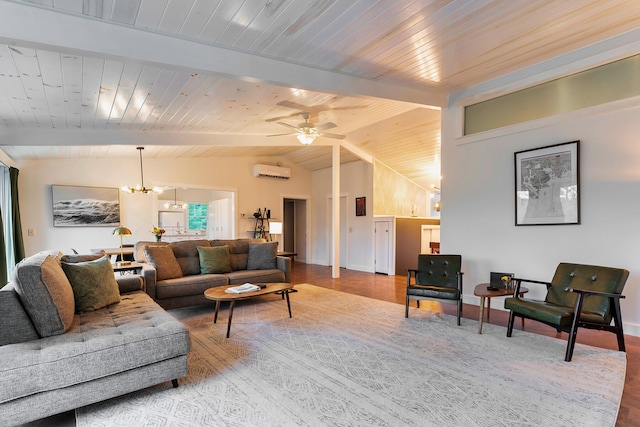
column 122, row 231
column 175, row 204
column 361, row 206
column 158, row 232
column 85, row 206
column 548, row 185
column 140, row 187
column 261, row 228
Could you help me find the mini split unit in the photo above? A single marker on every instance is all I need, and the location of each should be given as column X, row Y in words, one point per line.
column 268, row 171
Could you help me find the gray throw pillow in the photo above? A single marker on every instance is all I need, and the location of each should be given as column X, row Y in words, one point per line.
column 45, row 293
column 94, row 284
column 214, row 260
column 164, row 261
column 262, row 256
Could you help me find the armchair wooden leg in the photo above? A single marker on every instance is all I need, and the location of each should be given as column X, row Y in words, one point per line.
column 512, row 316
column 571, row 340
column 617, row 321
column 174, row 382
column 571, row 343
column 459, row 310
column 406, row 308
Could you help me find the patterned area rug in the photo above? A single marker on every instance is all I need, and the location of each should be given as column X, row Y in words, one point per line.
column 345, row 360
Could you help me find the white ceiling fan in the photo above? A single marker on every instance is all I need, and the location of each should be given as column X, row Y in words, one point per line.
column 307, row 132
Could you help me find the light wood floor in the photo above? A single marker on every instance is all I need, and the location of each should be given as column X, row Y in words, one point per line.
column 392, row 289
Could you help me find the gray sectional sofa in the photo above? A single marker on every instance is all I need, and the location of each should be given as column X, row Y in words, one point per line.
column 174, row 276
column 54, row 359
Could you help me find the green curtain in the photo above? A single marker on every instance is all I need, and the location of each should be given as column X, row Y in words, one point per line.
column 18, row 241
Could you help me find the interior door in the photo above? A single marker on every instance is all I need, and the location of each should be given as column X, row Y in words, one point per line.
column 382, row 247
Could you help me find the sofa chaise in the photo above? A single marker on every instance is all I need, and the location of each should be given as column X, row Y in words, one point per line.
column 55, row 359
column 177, row 273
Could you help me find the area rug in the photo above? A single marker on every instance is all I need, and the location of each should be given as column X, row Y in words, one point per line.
column 346, row 360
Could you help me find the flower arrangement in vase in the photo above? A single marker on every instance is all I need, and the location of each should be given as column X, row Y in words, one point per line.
column 158, row 232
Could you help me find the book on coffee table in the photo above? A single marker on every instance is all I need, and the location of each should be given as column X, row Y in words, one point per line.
column 247, row 287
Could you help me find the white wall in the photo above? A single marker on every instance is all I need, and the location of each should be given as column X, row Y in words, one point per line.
column 478, row 202
column 137, row 210
column 355, row 181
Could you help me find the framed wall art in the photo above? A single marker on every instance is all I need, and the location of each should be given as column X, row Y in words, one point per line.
column 85, row 206
column 361, row 206
column 547, row 185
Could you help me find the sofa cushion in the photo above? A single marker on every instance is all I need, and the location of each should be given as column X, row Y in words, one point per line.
column 189, row 285
column 164, row 261
column 45, row 293
column 94, row 285
column 114, row 339
column 214, row 260
column 186, row 253
column 138, row 251
column 262, row 256
column 238, row 251
column 15, row 324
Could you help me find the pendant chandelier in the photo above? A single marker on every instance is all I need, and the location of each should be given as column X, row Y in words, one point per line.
column 140, row 187
column 175, row 204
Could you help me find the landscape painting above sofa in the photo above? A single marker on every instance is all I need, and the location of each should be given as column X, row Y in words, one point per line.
column 85, row 206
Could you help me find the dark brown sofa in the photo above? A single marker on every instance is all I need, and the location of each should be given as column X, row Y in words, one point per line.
column 188, row 289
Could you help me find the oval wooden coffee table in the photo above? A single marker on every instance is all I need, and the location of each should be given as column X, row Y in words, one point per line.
column 218, row 295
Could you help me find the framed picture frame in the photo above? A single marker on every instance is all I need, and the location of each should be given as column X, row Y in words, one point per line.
column 361, row 206
column 547, row 185
column 75, row 206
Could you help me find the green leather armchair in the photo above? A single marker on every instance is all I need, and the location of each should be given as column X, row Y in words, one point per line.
column 592, row 292
column 439, row 278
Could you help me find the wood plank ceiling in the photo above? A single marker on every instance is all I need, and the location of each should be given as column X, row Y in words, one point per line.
column 218, row 76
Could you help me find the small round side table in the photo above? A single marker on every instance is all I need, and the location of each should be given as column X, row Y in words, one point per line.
column 483, row 292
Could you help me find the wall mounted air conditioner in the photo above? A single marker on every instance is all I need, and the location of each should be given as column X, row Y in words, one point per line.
column 268, row 171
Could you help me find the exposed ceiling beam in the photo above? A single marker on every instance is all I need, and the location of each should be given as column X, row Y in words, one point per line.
column 79, row 137
column 37, row 27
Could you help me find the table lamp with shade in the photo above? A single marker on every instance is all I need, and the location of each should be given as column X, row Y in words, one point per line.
column 275, row 228
column 122, row 231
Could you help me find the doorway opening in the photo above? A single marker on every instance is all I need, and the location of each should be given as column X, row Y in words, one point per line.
column 294, row 228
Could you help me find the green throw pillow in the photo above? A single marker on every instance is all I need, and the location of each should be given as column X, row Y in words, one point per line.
column 94, row 284
column 214, row 260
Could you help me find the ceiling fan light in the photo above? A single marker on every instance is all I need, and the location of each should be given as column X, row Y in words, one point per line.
column 305, row 138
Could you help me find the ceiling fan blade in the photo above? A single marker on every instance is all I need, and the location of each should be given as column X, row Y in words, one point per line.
column 288, row 125
column 294, row 105
column 332, row 135
column 275, row 119
column 283, row 134
column 325, row 126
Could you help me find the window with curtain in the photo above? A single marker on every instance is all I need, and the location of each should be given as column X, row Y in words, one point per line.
column 6, row 215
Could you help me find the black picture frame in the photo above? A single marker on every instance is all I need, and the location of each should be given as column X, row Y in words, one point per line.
column 361, row 206
column 547, row 185
column 76, row 206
